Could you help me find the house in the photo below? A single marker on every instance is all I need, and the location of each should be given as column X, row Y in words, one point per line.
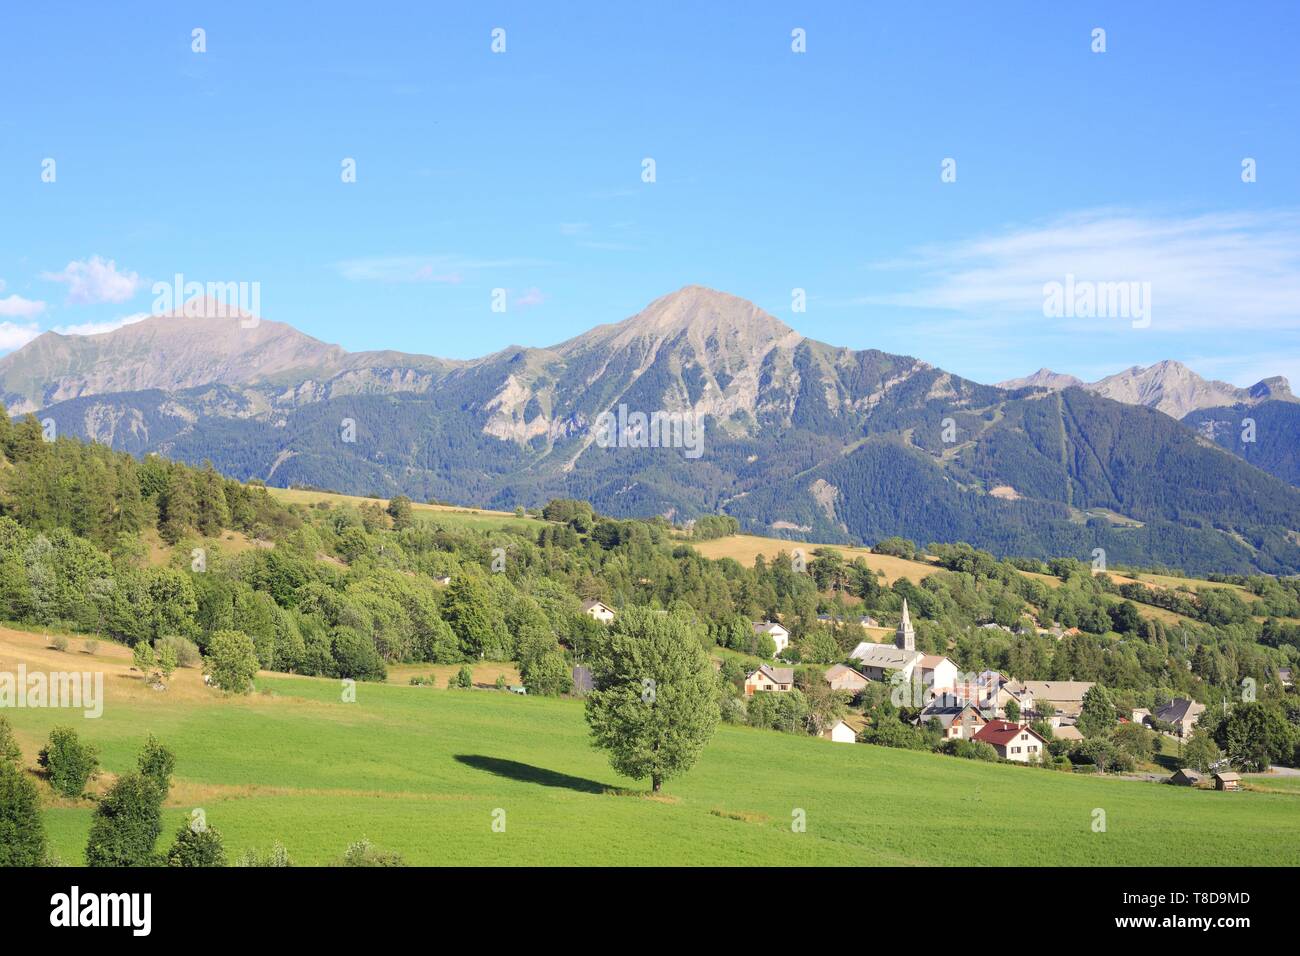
column 1067, row 732
column 1284, row 675
column 443, row 579
column 959, row 721
column 991, row 691
column 1227, row 781
column 1140, row 716
column 780, row 636
column 1058, row 696
column 938, row 673
column 879, row 661
column 1181, row 713
column 840, row 677
column 598, row 610
column 1185, row 778
column 868, row 621
column 768, row 678
column 841, row 733
column 1016, row 742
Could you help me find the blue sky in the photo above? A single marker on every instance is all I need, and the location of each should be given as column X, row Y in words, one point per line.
column 775, row 170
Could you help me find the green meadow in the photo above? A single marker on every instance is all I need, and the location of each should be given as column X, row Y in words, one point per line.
column 426, row 771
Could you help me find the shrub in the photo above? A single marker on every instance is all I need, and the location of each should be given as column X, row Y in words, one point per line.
column 186, row 651
column 465, row 677
column 69, row 762
column 22, row 832
column 972, row 750
column 549, row 675
column 90, row 646
column 197, row 846
column 355, row 656
column 142, row 657
column 59, row 642
column 157, row 762
column 363, row 853
column 126, row 824
column 278, row 856
column 166, row 660
column 10, row 752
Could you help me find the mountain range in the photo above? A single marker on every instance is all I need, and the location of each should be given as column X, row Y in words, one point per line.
column 1171, row 387
column 801, row 439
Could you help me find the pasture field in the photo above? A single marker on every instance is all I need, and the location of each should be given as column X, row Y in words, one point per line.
column 422, row 771
column 744, row 548
column 449, row 515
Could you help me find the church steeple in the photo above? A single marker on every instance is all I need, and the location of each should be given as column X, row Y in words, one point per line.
column 905, row 637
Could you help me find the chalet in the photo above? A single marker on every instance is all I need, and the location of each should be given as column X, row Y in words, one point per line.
column 443, row 579
column 1058, row 696
column 840, row 677
column 841, row 733
column 959, row 722
column 768, row 678
column 1284, row 675
column 598, row 610
column 1015, row 742
column 780, row 636
column 1185, row 778
column 1181, row 713
column 1227, row 781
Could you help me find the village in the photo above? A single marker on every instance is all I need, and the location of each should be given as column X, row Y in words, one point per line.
column 1018, row 719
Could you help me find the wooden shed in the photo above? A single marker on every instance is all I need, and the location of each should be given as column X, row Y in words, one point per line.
column 1227, row 781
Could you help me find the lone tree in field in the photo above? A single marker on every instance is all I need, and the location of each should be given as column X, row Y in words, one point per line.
column 232, row 661
column 654, row 702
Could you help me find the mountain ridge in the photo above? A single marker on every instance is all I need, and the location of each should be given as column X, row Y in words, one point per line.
column 1168, row 386
column 854, row 444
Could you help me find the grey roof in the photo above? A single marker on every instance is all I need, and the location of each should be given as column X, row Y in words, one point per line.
column 766, row 627
column 1180, row 708
column 947, row 714
column 886, row 656
column 781, row 675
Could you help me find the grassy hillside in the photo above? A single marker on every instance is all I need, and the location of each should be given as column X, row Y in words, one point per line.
column 452, row 516
column 421, row 771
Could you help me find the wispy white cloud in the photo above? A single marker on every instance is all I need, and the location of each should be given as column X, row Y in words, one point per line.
column 16, row 307
column 432, row 268
column 96, row 280
column 14, row 336
column 529, row 298
column 1213, row 271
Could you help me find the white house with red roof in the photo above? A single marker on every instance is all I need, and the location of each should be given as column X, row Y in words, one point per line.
column 1012, row 741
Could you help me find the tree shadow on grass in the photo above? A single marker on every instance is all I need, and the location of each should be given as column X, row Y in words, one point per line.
column 527, row 773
